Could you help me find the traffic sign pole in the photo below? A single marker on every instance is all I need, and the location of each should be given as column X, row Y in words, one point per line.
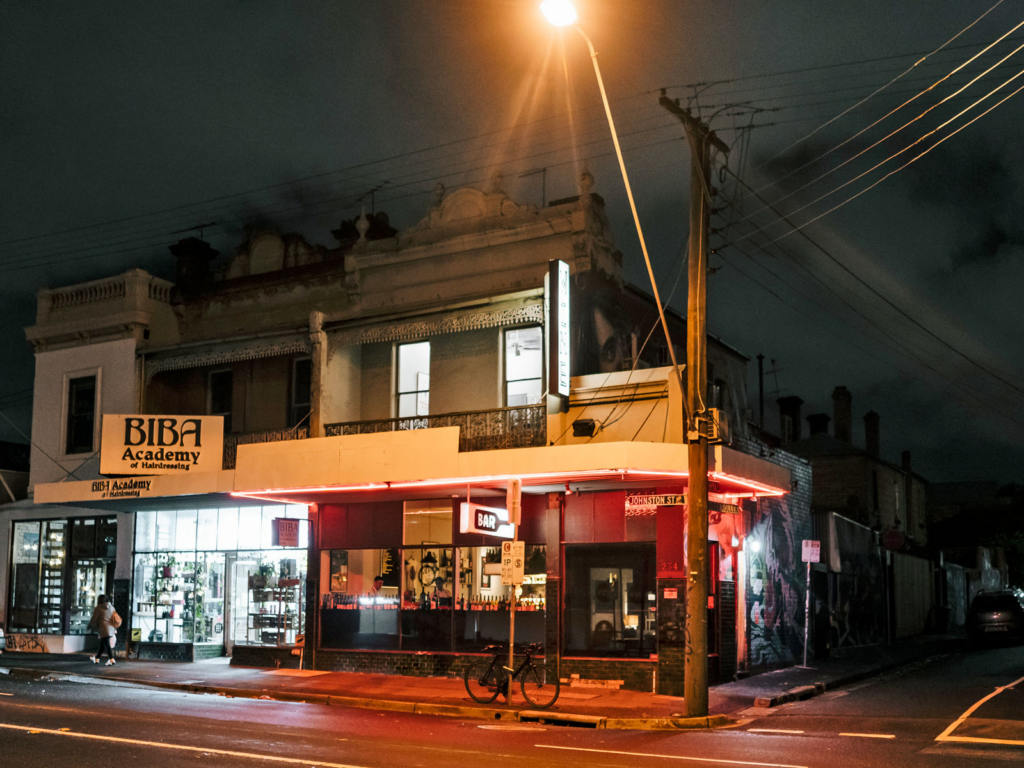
column 810, row 553
column 512, row 626
column 807, row 612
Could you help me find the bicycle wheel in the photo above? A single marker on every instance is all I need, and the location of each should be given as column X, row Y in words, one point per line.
column 540, row 686
column 483, row 681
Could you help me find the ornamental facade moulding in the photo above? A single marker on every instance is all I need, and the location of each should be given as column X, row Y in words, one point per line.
column 495, row 318
column 234, row 354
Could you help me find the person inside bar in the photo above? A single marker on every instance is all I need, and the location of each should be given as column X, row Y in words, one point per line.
column 442, row 595
column 376, row 591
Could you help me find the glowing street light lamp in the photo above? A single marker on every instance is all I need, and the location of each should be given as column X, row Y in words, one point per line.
column 562, row 13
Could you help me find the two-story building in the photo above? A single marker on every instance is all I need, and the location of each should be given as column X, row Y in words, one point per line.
column 372, row 392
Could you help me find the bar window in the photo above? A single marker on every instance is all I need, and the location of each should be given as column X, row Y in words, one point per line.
column 413, row 379
column 301, row 400
column 81, row 421
column 358, row 609
column 524, row 366
column 610, row 600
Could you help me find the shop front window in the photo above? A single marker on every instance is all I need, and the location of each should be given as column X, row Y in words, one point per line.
column 216, row 576
column 38, row 559
column 93, row 555
column 610, row 600
column 483, row 602
column 432, row 596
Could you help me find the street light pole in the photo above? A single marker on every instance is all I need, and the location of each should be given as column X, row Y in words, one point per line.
column 561, row 13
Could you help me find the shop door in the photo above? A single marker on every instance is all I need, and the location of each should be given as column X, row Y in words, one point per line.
column 236, row 624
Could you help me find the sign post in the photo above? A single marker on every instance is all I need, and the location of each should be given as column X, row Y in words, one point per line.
column 513, row 565
column 810, row 553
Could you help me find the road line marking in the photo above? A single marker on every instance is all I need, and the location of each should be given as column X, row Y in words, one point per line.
column 871, row 735
column 944, row 736
column 770, row 730
column 979, row 740
column 181, row 747
column 6, row 694
column 669, row 757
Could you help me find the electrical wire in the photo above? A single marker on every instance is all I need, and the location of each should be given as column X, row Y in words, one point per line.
column 902, row 312
column 873, row 94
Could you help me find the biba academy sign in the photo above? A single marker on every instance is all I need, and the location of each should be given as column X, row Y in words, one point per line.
column 161, row 445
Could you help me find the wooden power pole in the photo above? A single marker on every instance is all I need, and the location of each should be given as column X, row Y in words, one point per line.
column 695, row 665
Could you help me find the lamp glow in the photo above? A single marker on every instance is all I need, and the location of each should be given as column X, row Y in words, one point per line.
column 755, row 546
column 560, row 13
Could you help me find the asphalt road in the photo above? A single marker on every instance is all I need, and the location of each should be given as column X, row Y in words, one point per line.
column 888, row 721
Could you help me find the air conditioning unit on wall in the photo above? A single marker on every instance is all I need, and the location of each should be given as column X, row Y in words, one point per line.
column 718, row 426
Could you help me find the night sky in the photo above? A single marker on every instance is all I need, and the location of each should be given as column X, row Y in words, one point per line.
column 124, row 124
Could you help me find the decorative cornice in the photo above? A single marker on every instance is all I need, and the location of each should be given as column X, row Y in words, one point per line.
column 495, row 318
column 230, row 354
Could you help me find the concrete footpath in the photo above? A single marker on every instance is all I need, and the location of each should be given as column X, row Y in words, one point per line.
column 581, row 706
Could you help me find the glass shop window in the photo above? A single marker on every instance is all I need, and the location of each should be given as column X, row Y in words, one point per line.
column 81, row 421
column 38, row 552
column 610, row 601
column 93, row 555
column 482, row 603
column 359, row 598
column 413, row 379
column 524, row 366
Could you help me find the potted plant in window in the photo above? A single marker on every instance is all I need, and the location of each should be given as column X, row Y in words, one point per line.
column 167, row 571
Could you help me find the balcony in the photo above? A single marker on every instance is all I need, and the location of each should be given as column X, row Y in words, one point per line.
column 517, row 427
column 232, row 441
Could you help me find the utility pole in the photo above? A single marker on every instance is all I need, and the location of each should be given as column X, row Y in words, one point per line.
column 695, row 664
column 760, row 390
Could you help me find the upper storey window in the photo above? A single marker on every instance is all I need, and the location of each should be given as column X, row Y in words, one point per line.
column 414, row 379
column 81, row 418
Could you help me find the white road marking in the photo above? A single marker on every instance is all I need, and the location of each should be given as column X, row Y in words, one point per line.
column 770, row 730
column 871, row 735
column 181, row 747
column 945, row 735
column 670, row 757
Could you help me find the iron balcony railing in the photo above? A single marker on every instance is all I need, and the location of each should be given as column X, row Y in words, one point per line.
column 232, row 441
column 516, row 427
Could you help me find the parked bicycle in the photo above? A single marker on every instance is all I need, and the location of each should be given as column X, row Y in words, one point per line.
column 486, row 679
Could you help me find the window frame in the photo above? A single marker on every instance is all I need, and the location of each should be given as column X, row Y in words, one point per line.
column 504, row 364
column 293, row 420
column 228, row 415
column 398, row 380
column 65, row 432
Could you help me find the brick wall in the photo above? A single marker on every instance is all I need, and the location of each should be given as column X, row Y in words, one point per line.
column 397, row 663
column 727, row 623
column 166, row 651
column 776, row 582
column 636, row 674
column 263, row 656
column 671, row 637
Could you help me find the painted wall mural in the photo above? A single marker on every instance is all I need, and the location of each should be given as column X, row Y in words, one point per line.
column 776, row 578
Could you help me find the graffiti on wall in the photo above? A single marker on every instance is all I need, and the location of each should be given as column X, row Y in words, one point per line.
column 776, row 581
column 857, row 610
column 26, row 643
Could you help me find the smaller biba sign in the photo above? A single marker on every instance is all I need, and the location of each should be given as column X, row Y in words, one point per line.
column 491, row 521
column 161, row 445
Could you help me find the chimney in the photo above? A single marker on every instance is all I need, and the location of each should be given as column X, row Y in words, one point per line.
column 842, row 414
column 193, row 268
column 789, row 412
column 818, row 423
column 871, row 438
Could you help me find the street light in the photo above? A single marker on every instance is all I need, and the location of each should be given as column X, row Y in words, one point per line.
column 562, row 13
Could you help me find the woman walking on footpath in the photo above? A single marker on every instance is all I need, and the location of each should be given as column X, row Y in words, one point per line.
column 106, row 621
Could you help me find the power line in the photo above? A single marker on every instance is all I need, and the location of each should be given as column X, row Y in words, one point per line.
column 879, row 294
column 879, row 90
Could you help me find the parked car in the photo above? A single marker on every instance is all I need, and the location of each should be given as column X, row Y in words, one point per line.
column 995, row 616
